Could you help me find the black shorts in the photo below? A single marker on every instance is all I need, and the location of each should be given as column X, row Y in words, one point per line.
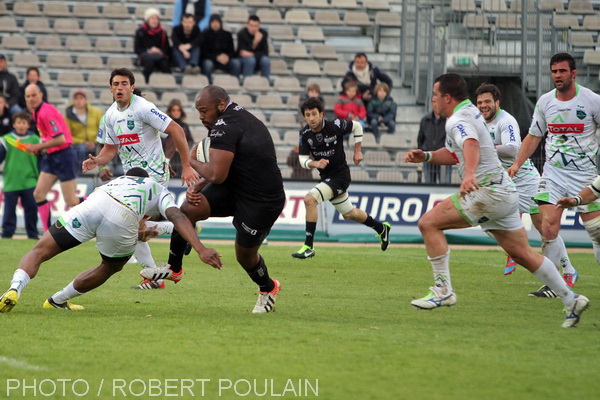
column 339, row 182
column 62, row 163
column 252, row 220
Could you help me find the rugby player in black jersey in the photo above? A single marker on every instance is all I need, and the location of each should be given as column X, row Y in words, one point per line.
column 241, row 179
column 323, row 141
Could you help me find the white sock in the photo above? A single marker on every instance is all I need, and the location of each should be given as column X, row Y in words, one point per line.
column 550, row 277
column 551, row 249
column 144, row 255
column 441, row 271
column 19, row 281
column 65, row 294
column 164, row 227
column 564, row 260
column 596, row 252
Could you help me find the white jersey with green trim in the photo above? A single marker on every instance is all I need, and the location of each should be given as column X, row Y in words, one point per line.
column 137, row 132
column 143, row 196
column 570, row 129
column 505, row 131
column 467, row 123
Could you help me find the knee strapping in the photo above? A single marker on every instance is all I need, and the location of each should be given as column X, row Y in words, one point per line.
column 321, row 192
column 593, row 229
column 343, row 204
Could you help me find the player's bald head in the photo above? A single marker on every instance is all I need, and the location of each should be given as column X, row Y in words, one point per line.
column 212, row 94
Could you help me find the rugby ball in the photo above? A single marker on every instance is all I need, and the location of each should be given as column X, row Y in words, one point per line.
column 203, row 150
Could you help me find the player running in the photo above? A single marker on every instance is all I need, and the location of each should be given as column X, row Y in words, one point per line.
column 567, row 117
column 324, row 141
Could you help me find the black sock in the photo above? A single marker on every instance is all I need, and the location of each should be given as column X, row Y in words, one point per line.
column 178, row 244
column 260, row 276
column 311, row 227
column 373, row 224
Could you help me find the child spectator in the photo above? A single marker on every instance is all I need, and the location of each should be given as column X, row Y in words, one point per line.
column 313, row 90
column 151, row 44
column 382, row 110
column 20, row 176
column 350, row 105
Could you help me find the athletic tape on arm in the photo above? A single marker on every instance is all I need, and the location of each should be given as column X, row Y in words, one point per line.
column 357, row 131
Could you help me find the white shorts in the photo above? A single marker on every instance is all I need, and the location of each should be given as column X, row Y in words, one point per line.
column 114, row 226
column 490, row 209
column 557, row 183
column 527, row 189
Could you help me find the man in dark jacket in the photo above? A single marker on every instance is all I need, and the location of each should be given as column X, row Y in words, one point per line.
column 151, row 44
column 366, row 75
column 253, row 48
column 186, row 45
column 432, row 136
column 9, row 86
column 217, row 49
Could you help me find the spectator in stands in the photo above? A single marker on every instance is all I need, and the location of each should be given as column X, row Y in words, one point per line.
column 253, row 48
column 151, row 44
column 33, row 76
column 312, row 90
column 9, row 86
column 293, row 161
column 186, row 45
column 350, row 105
column 201, row 11
column 432, row 136
column 382, row 110
column 20, row 176
column 5, row 117
column 175, row 111
column 83, row 121
column 217, row 49
column 366, row 76
column 59, row 162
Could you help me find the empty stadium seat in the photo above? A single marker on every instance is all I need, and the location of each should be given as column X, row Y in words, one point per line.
column 287, row 84
column 270, row 101
column 323, row 51
column 109, row 45
column 344, row 4
column 71, row 78
column 388, row 19
column 315, row 3
column 47, row 42
column 357, row 18
column 3, row 10
column 78, row 43
column 194, row 82
column 68, row 26
column 279, row 67
column 581, row 39
column 284, row 121
column 581, row 7
column 86, row 10
column 99, row 79
column 298, row 17
column 377, row 159
column 256, row 83
column 292, row 137
column 275, row 136
column 293, row 50
column 591, row 23
column 15, row 43
column 591, row 57
column 306, row 67
column 36, row 25
column 227, row 82
column 476, row 21
column 377, row 5
column 26, row 8
column 552, row 5
column 162, row 81
column 59, row 61
column 335, row 68
column 8, row 24
column 508, row 21
column 125, row 28
column 243, row 100
column 393, row 141
column 324, row 84
column 116, row 11
column 390, row 176
column 268, row 16
column 96, row 27
column 236, row 15
column 359, row 175
column 281, row 33
column 26, row 60
column 311, row 34
column 324, row 18
column 90, row 62
column 463, row 5
column 167, row 97
column 494, row 6
column 52, row 9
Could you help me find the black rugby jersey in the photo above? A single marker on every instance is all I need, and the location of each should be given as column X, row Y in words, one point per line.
column 254, row 174
column 328, row 143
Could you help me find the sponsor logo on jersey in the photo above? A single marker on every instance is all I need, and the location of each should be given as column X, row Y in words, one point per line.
column 337, row 123
column 76, row 224
column 131, row 138
column 130, row 124
column 319, row 137
column 561, row 129
column 249, row 230
column 580, row 114
column 216, row 133
column 158, row 114
column 461, row 129
column 120, row 120
column 511, row 133
column 310, row 142
column 238, row 108
column 220, row 122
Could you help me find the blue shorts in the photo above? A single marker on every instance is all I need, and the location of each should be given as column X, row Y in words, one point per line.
column 62, row 163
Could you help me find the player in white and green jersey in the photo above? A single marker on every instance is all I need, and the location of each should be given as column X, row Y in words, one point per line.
column 111, row 214
column 506, row 135
column 567, row 117
column 487, row 197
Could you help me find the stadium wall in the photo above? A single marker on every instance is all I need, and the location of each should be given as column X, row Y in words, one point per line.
column 400, row 205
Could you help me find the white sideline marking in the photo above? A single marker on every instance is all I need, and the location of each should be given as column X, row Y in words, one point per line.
column 20, row 364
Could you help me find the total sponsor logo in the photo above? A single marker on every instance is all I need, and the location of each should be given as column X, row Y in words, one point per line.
column 158, row 114
column 131, row 138
column 561, row 129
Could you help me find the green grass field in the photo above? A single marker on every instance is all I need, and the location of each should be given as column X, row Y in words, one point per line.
column 342, row 319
